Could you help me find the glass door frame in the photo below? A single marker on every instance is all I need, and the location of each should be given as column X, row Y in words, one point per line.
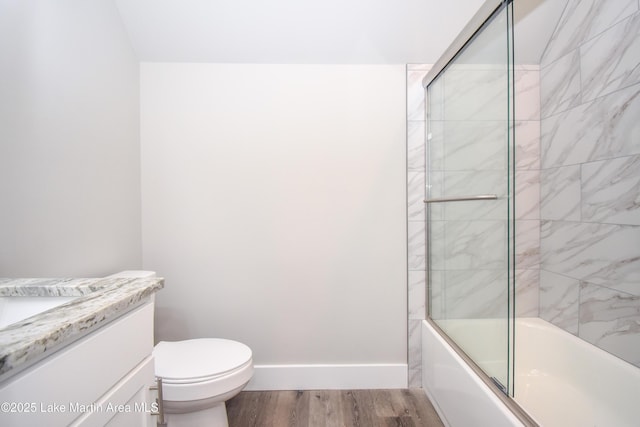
column 485, row 15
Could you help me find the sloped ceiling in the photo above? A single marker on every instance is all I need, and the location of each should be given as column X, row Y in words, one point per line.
column 294, row 31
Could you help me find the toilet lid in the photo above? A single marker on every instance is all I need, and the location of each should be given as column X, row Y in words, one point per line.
column 198, row 359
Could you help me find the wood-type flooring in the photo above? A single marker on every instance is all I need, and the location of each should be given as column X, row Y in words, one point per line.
column 332, row 408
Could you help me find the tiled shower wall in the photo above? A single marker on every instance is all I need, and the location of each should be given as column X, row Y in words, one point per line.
column 527, row 213
column 527, row 189
column 577, row 151
column 416, row 216
column 468, row 147
column 590, row 175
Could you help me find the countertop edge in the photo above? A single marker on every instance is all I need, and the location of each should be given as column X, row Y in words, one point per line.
column 29, row 341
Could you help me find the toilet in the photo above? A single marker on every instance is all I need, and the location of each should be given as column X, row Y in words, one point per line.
column 199, row 376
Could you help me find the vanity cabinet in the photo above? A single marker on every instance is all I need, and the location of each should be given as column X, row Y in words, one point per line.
column 100, row 379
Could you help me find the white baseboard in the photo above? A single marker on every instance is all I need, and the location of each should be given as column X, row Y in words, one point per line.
column 328, row 377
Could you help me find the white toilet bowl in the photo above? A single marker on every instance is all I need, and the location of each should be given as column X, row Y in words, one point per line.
column 198, row 375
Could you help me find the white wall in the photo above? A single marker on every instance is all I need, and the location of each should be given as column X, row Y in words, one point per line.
column 273, row 202
column 69, row 143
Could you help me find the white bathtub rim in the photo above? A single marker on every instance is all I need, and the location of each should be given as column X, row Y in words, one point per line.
column 495, row 410
column 603, row 395
column 601, row 387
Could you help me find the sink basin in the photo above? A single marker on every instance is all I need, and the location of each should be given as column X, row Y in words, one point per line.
column 16, row 308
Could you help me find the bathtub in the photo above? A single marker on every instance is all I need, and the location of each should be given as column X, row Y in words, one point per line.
column 14, row 309
column 560, row 380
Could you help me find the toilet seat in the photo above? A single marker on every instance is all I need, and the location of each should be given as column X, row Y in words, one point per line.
column 198, row 360
column 197, row 380
column 202, row 368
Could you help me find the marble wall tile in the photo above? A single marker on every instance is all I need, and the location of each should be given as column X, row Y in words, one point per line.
column 469, row 183
column 435, row 294
column 611, row 191
column 475, row 94
column 610, row 61
column 435, row 99
column 527, row 141
column 527, row 89
column 527, row 190
column 604, row 128
column 618, row 132
column 415, row 145
column 417, row 296
column 527, row 292
column 475, row 245
column 559, row 300
column 477, row 210
column 527, row 186
column 476, row 294
column 527, row 247
column 611, row 320
column 561, row 88
column 475, row 145
column 435, row 145
column 602, row 254
column 415, row 195
column 560, row 189
column 416, row 215
column 472, row 182
column 415, row 95
column 415, row 353
column 580, row 131
column 589, row 279
column 435, row 187
column 582, row 20
column 437, row 256
column 416, row 245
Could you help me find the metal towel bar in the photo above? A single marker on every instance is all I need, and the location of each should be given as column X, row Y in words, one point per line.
column 462, row 198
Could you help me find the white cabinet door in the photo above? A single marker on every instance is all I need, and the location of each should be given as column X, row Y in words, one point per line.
column 129, row 403
column 65, row 388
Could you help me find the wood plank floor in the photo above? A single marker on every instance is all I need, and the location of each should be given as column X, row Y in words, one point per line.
column 332, row 408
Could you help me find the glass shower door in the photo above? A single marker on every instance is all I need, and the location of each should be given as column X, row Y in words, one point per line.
column 469, row 199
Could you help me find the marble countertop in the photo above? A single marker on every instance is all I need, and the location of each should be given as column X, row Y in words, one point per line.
column 99, row 302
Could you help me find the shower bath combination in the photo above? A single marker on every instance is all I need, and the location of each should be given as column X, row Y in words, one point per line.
column 532, row 225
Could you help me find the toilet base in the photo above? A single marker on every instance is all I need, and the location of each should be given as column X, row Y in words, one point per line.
column 216, row 416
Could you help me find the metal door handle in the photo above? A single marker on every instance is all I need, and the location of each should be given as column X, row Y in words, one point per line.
column 462, row 198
